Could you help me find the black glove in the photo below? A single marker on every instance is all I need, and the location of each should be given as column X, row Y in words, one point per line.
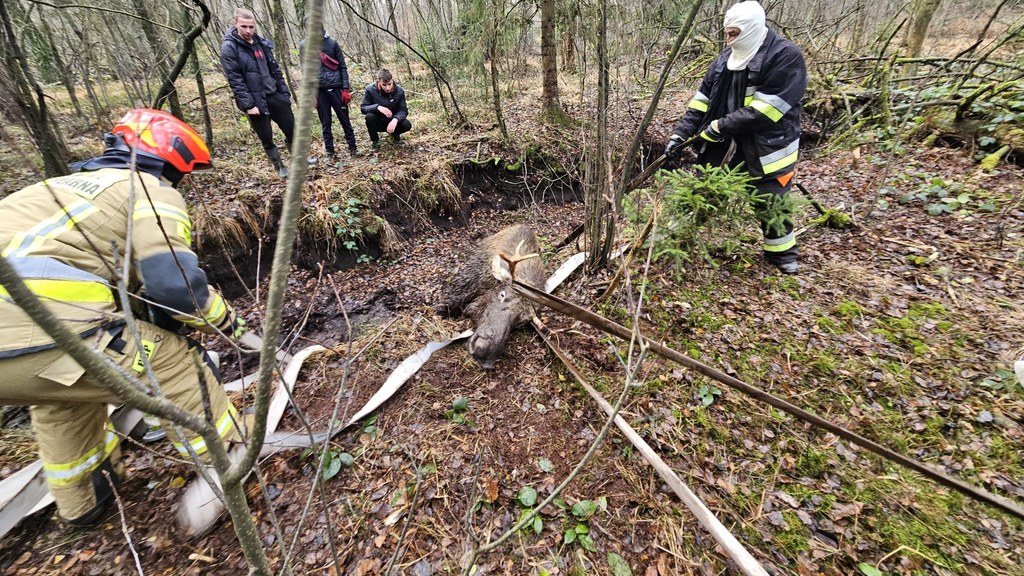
column 674, row 147
column 162, row 319
column 711, row 133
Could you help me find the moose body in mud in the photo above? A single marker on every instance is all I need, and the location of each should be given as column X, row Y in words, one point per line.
column 482, row 290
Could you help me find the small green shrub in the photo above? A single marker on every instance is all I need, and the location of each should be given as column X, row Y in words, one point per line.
column 703, row 212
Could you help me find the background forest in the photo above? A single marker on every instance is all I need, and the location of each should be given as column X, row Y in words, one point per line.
column 903, row 326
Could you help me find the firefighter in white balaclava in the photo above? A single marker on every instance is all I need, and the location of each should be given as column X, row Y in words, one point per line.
column 748, row 110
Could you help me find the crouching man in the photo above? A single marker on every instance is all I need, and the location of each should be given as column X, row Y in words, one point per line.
column 385, row 109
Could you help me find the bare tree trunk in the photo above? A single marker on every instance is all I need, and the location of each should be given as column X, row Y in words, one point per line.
column 67, row 77
column 626, row 170
column 921, row 18
column 280, row 29
column 31, row 102
column 167, row 90
column 549, row 58
column 367, row 8
column 600, row 223
column 859, row 25
column 204, row 104
column 156, row 44
column 493, row 49
column 399, row 50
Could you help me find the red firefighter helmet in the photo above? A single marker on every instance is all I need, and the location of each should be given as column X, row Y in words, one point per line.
column 159, row 134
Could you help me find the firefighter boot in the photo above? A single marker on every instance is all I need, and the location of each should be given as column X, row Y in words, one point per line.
column 275, row 158
column 101, row 491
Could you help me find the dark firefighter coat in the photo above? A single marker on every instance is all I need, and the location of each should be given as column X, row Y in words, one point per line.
column 251, row 70
column 60, row 235
column 765, row 122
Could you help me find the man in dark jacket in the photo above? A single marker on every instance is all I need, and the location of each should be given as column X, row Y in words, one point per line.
column 747, row 110
column 385, row 109
column 258, row 85
column 333, row 93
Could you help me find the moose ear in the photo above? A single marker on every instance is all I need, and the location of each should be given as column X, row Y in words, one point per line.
column 499, row 269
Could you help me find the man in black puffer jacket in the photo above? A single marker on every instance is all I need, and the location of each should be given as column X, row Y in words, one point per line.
column 259, row 87
column 748, row 110
column 385, row 109
column 333, row 94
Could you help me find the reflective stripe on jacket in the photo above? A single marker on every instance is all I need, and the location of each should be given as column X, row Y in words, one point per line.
column 767, row 126
column 66, row 237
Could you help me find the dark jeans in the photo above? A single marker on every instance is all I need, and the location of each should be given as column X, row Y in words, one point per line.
column 776, row 220
column 328, row 99
column 281, row 113
column 377, row 122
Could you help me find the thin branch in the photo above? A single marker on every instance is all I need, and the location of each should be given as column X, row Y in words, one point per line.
column 124, row 522
column 437, row 73
column 188, row 45
column 102, row 9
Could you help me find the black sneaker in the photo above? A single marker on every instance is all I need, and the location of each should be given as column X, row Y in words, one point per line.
column 354, row 152
column 375, row 145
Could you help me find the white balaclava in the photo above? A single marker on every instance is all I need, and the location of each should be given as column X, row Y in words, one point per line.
column 749, row 18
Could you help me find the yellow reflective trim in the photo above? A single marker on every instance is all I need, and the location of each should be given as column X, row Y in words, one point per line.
column 147, row 209
column 227, row 421
column 216, row 308
column 747, row 100
column 185, row 233
column 182, row 223
column 698, row 105
column 74, row 472
column 149, row 348
column 781, row 163
column 224, row 426
column 60, row 222
column 780, row 244
column 68, row 291
column 773, row 113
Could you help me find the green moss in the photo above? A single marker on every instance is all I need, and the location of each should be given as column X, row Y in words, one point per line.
column 849, row 310
column 812, row 462
column 901, row 332
column 829, row 325
column 922, row 310
column 701, row 418
column 795, row 539
column 824, row 363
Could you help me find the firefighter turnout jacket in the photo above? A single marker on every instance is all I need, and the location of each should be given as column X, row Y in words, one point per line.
column 68, row 238
column 763, row 118
column 59, row 235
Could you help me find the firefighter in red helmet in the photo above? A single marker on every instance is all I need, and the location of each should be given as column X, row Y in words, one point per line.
column 67, row 238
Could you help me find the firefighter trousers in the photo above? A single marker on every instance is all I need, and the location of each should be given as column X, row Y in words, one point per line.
column 69, row 407
column 776, row 218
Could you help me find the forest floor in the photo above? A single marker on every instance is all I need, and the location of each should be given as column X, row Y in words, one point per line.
column 903, row 329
